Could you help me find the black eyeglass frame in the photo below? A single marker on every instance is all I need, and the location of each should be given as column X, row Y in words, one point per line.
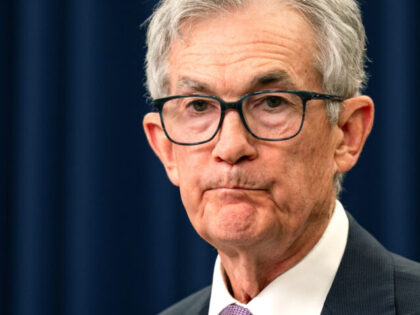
column 305, row 96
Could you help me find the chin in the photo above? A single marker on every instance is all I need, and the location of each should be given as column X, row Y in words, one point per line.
column 240, row 223
column 234, row 234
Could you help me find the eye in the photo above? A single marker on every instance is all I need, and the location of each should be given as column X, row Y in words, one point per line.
column 274, row 101
column 199, row 105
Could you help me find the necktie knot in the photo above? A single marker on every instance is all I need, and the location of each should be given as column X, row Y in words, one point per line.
column 234, row 309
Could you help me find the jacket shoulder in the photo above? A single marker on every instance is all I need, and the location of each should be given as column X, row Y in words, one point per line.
column 195, row 304
column 407, row 285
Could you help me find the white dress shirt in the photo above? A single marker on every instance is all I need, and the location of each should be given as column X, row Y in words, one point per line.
column 300, row 290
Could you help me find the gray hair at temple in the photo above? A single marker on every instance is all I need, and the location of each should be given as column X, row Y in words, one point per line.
column 340, row 53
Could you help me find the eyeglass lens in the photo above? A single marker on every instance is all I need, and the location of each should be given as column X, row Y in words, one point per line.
column 192, row 119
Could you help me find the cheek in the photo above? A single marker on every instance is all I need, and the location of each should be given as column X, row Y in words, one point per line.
column 305, row 168
column 190, row 168
column 314, row 160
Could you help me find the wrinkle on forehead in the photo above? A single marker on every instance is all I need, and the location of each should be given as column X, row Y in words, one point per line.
column 225, row 54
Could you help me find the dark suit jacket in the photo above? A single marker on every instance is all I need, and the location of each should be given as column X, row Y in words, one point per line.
column 370, row 280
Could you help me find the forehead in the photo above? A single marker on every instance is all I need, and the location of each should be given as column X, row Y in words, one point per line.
column 234, row 48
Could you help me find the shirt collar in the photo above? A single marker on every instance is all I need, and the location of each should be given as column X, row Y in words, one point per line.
column 308, row 281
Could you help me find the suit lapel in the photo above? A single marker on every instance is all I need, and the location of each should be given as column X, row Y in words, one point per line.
column 364, row 283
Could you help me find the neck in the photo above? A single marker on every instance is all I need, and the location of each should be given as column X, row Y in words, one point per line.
column 247, row 272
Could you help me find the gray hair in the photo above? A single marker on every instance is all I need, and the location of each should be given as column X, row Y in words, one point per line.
column 340, row 53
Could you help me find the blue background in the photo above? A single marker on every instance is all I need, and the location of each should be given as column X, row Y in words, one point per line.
column 89, row 223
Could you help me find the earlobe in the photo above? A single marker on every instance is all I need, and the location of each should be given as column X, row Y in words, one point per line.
column 161, row 145
column 355, row 122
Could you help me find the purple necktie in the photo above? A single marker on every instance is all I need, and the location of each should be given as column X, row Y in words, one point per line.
column 234, row 309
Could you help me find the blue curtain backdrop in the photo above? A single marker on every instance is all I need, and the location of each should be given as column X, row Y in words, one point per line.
column 89, row 223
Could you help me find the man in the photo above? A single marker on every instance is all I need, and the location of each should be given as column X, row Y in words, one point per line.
column 260, row 114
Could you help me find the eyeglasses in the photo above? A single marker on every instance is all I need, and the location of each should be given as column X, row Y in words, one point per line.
column 274, row 115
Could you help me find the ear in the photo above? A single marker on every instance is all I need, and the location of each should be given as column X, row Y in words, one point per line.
column 355, row 122
column 161, row 145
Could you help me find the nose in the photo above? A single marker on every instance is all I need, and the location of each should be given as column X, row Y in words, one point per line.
column 234, row 143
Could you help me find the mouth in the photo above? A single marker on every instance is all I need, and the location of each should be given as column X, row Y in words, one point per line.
column 235, row 188
column 236, row 181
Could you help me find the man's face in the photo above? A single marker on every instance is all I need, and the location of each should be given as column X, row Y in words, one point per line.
column 238, row 190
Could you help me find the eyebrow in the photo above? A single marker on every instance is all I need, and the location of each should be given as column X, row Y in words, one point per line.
column 273, row 77
column 193, row 85
column 278, row 77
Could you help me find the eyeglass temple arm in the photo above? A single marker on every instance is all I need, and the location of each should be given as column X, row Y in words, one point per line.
column 328, row 97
